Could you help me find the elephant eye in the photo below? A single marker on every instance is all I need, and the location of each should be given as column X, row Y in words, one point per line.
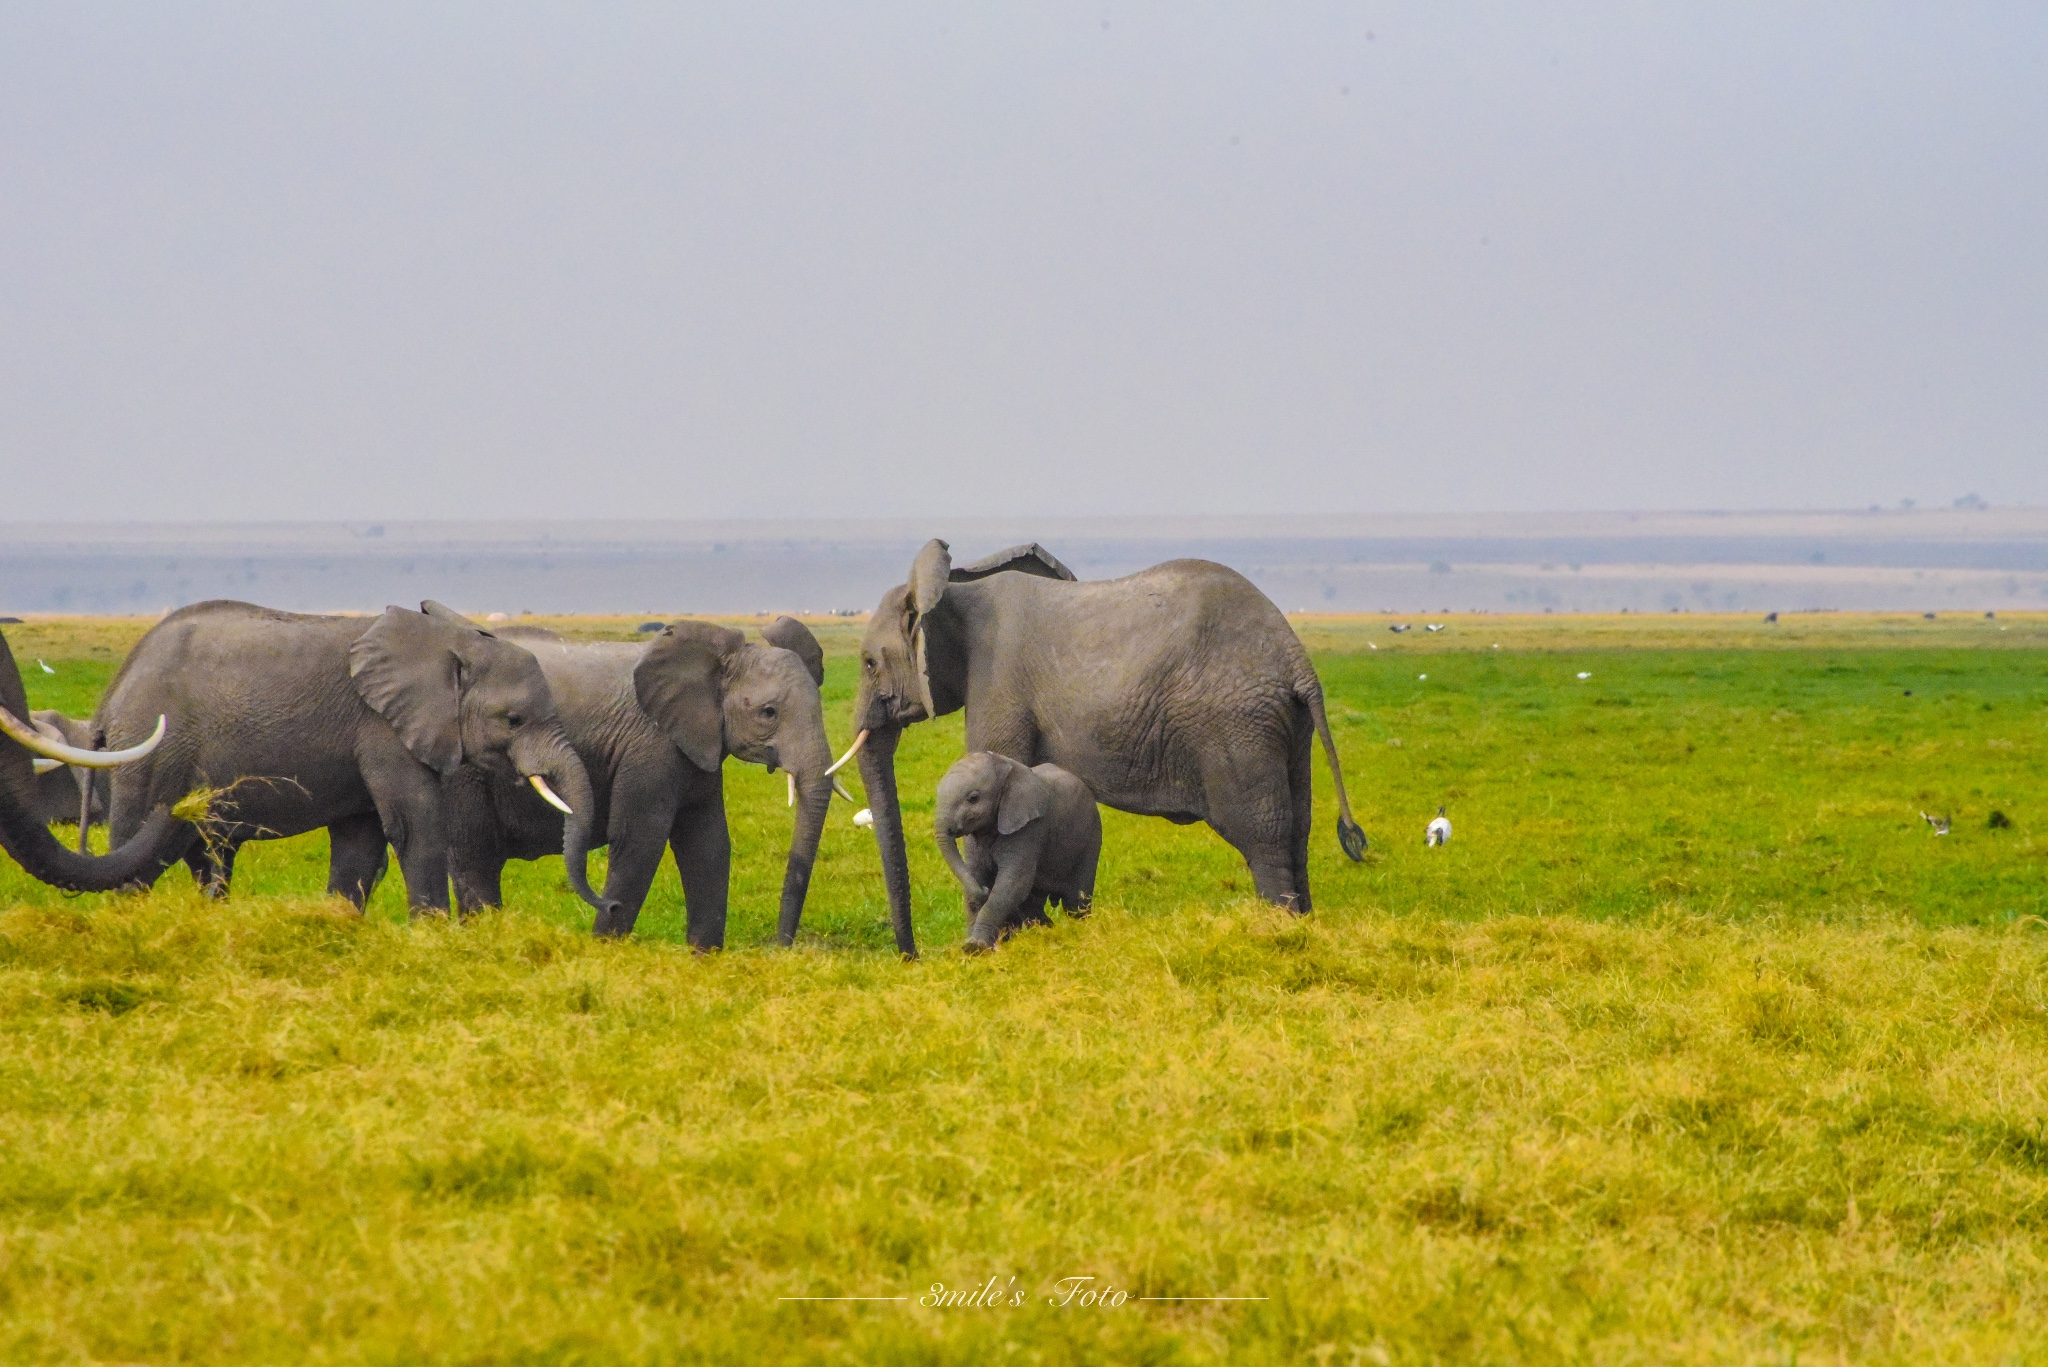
column 868, row 664
column 514, row 719
column 768, row 712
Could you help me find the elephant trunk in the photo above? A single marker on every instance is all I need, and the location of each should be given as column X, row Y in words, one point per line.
column 878, row 773
column 545, row 753
column 814, row 796
column 28, row 840
column 949, row 847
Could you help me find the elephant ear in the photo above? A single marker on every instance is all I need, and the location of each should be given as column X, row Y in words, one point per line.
column 1026, row 797
column 928, row 576
column 1030, row 558
column 405, row 667
column 794, row 637
column 441, row 612
column 680, row 681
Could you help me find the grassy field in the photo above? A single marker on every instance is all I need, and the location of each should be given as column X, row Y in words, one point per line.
column 1695, row 1044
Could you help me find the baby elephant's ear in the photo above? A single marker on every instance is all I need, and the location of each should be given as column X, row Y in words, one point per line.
column 680, row 682
column 406, row 669
column 794, row 637
column 1026, row 797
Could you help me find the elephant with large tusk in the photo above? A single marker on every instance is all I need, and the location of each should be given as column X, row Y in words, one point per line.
column 294, row 722
column 654, row 724
column 1179, row 691
column 24, row 817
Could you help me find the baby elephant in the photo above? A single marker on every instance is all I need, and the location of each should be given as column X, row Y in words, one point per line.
column 1033, row 836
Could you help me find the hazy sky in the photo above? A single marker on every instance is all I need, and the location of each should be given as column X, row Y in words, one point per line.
column 496, row 260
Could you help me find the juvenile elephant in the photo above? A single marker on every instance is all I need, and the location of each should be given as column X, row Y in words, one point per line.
column 300, row 722
column 653, row 724
column 26, row 752
column 70, row 792
column 1179, row 691
column 1033, row 836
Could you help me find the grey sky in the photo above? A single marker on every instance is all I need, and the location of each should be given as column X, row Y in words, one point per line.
column 580, row 261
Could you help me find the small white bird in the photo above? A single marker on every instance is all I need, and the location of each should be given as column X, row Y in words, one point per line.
column 864, row 818
column 46, row 668
column 1434, row 626
column 1439, row 832
column 1370, row 646
column 1940, row 823
column 1397, row 626
column 1585, row 674
column 1422, row 676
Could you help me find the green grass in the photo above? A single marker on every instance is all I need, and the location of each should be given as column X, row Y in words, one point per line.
column 1695, row 1044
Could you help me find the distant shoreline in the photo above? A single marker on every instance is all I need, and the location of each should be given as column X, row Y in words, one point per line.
column 1949, row 559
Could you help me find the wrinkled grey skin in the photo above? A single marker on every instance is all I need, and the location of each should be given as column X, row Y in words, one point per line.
column 653, row 724
column 342, row 722
column 1179, row 691
column 24, row 833
column 1033, row 837
column 71, row 793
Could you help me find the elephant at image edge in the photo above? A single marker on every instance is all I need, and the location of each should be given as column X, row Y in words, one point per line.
column 653, row 724
column 25, row 834
column 1179, row 691
column 343, row 722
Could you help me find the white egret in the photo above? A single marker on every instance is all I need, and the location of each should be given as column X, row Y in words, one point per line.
column 1439, row 832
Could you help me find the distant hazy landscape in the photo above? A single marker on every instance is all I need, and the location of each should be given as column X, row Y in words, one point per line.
column 1947, row 559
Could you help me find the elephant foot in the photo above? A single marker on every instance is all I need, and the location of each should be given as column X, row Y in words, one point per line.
column 974, row 946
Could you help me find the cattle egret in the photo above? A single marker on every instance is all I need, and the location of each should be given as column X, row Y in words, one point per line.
column 864, row 818
column 1434, row 626
column 46, row 668
column 1585, row 674
column 1397, row 626
column 1439, row 832
column 1422, row 676
column 1370, row 646
column 1940, row 823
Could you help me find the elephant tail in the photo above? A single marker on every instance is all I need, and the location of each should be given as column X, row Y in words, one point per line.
column 1349, row 835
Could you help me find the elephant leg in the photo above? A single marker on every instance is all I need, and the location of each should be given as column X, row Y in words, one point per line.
column 476, row 840
column 1251, row 805
column 212, row 862
column 703, row 849
column 1011, row 891
column 1299, row 782
column 1032, row 913
column 128, row 810
column 357, row 857
column 410, row 812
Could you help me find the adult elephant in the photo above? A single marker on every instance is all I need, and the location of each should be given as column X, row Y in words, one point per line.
column 653, row 725
column 1179, row 691
column 26, row 752
column 297, row 722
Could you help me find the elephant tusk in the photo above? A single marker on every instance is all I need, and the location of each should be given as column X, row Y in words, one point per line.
column 44, row 766
column 792, row 787
column 540, row 785
column 840, row 788
column 852, row 750
column 36, row 742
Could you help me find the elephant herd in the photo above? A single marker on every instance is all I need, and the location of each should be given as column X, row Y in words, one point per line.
column 1179, row 691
